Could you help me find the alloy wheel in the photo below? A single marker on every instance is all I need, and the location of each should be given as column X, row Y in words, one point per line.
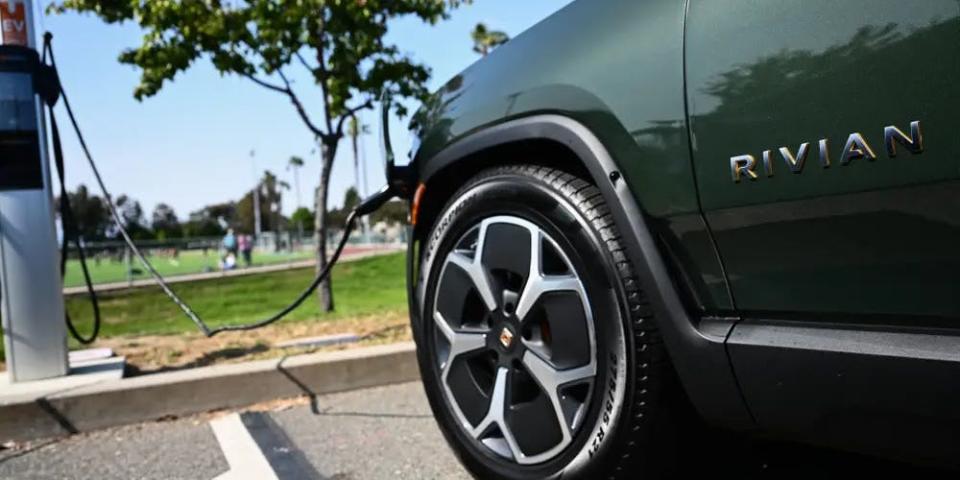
column 514, row 340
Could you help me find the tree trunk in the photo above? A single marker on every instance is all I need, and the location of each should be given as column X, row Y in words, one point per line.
column 328, row 150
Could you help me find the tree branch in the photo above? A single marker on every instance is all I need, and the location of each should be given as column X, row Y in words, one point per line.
column 267, row 85
column 323, row 84
column 351, row 112
column 288, row 91
column 299, row 106
column 303, row 61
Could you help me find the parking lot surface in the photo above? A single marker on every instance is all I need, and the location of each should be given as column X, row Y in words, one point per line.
column 384, row 432
column 378, row 433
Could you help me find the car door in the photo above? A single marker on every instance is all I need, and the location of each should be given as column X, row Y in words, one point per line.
column 826, row 145
column 806, row 124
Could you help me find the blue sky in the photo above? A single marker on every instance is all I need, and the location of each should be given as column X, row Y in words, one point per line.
column 190, row 145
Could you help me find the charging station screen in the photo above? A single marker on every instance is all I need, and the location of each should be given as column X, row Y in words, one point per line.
column 17, row 109
column 19, row 142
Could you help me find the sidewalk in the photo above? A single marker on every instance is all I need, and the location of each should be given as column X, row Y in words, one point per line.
column 349, row 254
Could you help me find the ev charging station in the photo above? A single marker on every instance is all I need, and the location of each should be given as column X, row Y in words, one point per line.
column 31, row 289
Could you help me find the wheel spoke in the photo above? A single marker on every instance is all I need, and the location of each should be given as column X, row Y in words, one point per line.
column 475, row 271
column 551, row 379
column 495, row 415
column 541, row 284
column 538, row 283
column 460, row 342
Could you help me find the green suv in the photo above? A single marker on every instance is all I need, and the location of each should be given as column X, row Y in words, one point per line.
column 642, row 213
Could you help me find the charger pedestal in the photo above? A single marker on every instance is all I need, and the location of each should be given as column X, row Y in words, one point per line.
column 31, row 290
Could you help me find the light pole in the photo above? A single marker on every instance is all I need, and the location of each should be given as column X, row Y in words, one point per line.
column 256, row 197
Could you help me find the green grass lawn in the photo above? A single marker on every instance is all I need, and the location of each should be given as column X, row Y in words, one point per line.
column 191, row 261
column 361, row 287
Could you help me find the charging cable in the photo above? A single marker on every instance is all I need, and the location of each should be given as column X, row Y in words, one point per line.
column 369, row 205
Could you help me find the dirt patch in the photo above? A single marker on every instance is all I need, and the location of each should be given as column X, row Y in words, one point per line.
column 155, row 353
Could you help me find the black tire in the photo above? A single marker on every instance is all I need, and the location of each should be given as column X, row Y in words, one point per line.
column 626, row 422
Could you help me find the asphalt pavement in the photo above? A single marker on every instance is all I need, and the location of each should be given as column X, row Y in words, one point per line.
column 378, row 433
column 384, row 432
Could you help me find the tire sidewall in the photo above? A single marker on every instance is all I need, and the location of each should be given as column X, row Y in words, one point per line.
column 511, row 192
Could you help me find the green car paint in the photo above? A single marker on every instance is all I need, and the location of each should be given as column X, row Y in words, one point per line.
column 869, row 238
column 597, row 62
column 873, row 237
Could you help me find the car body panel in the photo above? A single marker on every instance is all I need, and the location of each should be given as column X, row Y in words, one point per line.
column 843, row 278
column 868, row 238
column 616, row 67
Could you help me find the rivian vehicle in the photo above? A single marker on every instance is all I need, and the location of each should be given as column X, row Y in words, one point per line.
column 643, row 215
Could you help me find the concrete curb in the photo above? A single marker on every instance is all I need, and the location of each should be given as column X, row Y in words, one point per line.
column 184, row 392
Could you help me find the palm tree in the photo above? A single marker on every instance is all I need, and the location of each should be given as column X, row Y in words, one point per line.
column 272, row 192
column 485, row 40
column 294, row 164
column 354, row 129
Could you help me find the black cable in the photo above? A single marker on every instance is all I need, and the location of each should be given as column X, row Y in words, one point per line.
column 363, row 208
column 68, row 221
column 347, row 229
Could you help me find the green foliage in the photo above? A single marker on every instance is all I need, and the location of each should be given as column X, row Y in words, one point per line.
column 485, row 40
column 355, row 128
column 303, row 216
column 340, row 42
column 165, row 223
column 90, row 214
column 271, row 196
column 338, row 216
column 132, row 215
column 210, row 221
column 396, row 211
column 351, row 199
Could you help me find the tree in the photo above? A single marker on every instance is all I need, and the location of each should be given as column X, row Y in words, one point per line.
column 132, row 215
column 340, row 43
column 165, row 223
column 271, row 196
column 296, row 163
column 338, row 216
column 354, row 130
column 211, row 220
column 392, row 212
column 485, row 40
column 303, row 216
column 90, row 215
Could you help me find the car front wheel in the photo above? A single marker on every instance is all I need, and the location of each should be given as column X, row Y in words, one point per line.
column 538, row 352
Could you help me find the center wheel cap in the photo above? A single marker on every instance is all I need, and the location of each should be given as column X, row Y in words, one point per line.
column 506, row 337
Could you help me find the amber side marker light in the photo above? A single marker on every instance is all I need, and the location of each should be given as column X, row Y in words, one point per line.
column 415, row 205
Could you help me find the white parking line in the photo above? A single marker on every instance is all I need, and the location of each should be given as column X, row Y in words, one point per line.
column 241, row 451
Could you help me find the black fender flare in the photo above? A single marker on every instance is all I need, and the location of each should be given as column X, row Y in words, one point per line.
column 700, row 359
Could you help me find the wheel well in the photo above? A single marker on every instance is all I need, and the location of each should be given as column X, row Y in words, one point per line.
column 442, row 185
column 543, row 152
